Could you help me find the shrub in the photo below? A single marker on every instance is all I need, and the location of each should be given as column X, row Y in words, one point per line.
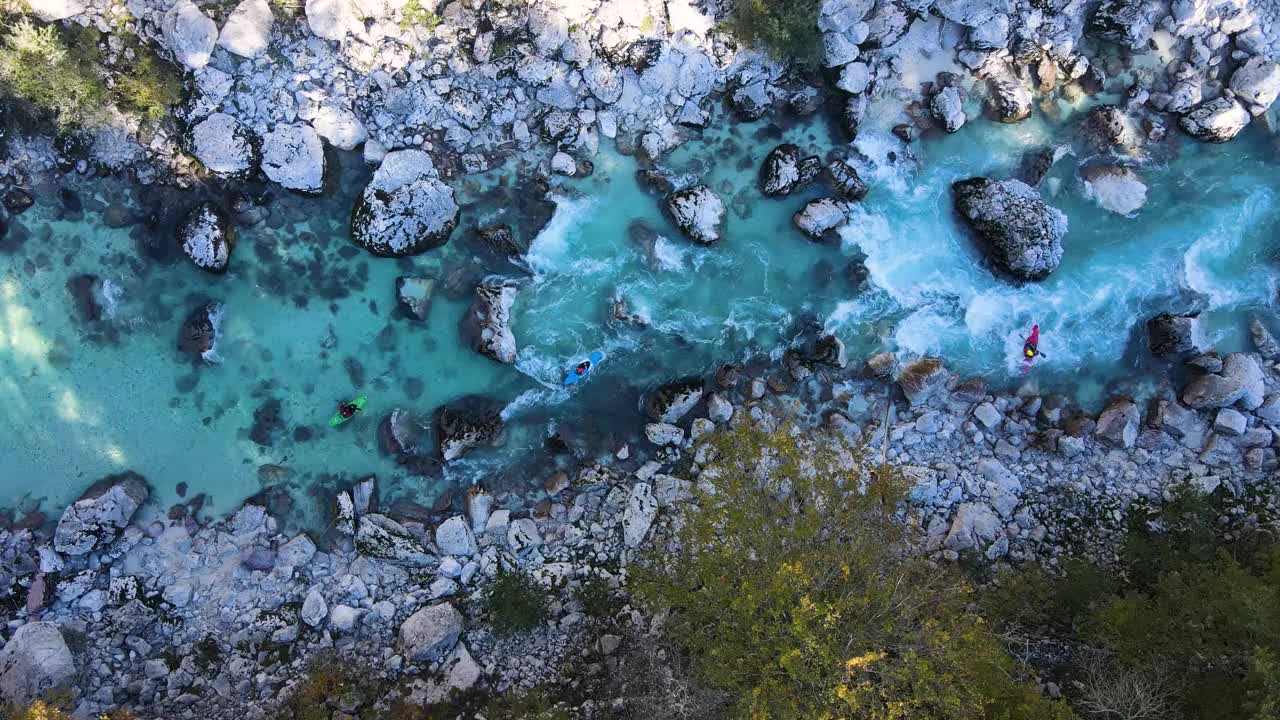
column 515, row 601
column 786, row 28
column 414, row 15
column 597, row 598
column 317, row 695
column 37, row 65
column 149, row 85
column 793, row 592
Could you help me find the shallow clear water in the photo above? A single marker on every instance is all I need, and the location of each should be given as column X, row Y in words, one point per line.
column 309, row 323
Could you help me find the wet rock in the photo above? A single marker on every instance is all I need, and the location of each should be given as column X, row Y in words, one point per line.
column 1022, row 233
column 1118, row 424
column 1263, row 340
column 100, row 514
column 1105, row 129
column 1035, row 165
column 431, row 633
column 293, row 156
column 882, row 365
column 1241, row 381
column 378, row 536
column 501, row 240
column 1173, row 334
column 467, row 424
column 259, row 558
column 189, row 34
column 845, row 180
column 698, row 212
column 1127, row 22
column 223, row 145
column 1208, row 363
column 1216, row 121
column 728, row 376
column 851, row 114
column 405, row 209
column 820, row 219
column 1256, row 83
column 1117, row 189
column 17, row 200
column 248, row 28
column 486, row 327
column 414, row 295
column 668, row 403
column 749, row 100
column 1009, row 97
column 920, row 379
column 199, row 333
column 35, row 660
column 780, row 173
column 206, row 237
column 828, row 350
column 947, row 109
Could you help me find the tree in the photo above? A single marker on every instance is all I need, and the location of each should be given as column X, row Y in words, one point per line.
column 793, row 589
column 786, row 28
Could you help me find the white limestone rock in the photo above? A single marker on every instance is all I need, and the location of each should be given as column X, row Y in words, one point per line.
column 339, row 126
column 35, row 660
column 205, row 237
column 55, row 10
column 1257, row 84
column 293, row 156
column 100, row 514
column 454, row 537
column 1216, row 121
column 642, row 508
column 381, row 537
column 431, row 633
column 405, row 209
column 332, row 19
column 247, row 31
column 189, row 34
column 698, row 212
column 224, row 146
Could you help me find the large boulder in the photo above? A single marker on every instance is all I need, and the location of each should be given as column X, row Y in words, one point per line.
column 430, row 633
column 974, row 527
column 199, row 333
column 247, row 31
column 55, row 10
column 34, row 661
column 332, row 19
column 293, row 156
column 100, row 514
column 1127, row 22
column 1106, row 129
column 189, row 34
column 1216, row 121
column 820, row 218
column 1256, row 84
column 846, row 181
column 378, row 536
column 947, row 109
column 1010, row 99
column 224, row 146
column 921, row 378
column 672, row 401
column 1115, row 188
column 206, row 237
column 1241, row 381
column 780, row 173
column 970, row 13
column 454, row 537
column 405, row 209
column 642, row 508
column 465, row 424
column 487, row 325
column 1173, row 334
column 339, row 126
column 1118, row 424
column 1022, row 233
column 698, row 212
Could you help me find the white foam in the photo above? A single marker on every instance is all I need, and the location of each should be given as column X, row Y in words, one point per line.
column 668, row 255
column 550, row 252
column 216, row 313
column 112, row 293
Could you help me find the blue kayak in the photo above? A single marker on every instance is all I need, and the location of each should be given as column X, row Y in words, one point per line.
column 583, row 369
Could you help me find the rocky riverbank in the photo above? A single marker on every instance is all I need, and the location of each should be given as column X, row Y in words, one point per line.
column 173, row 617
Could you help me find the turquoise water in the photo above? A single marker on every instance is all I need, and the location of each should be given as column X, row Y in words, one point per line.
column 309, row 322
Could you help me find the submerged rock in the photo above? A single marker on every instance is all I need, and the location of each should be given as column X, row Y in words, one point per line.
column 501, row 239
column 1263, row 340
column 84, row 290
column 1117, row 189
column 1022, row 233
column 820, row 219
column 672, row 401
column 199, row 333
column 100, row 514
column 224, row 146
column 487, row 325
column 293, row 156
column 206, row 237
column 1106, row 129
column 1172, row 334
column 405, row 209
column 1216, row 121
column 466, row 424
column 698, row 212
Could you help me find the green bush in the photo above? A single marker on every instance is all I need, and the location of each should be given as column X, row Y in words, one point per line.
column 515, row 601
column 61, row 78
column 149, row 85
column 786, row 28
column 794, row 592
column 414, row 15
column 597, row 598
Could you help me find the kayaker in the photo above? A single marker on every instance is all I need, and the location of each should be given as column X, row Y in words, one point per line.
column 346, row 410
column 582, row 367
column 1031, row 349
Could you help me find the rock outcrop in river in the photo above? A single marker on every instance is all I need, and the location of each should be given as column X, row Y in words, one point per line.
column 1023, row 235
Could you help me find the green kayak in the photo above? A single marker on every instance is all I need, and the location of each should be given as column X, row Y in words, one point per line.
column 337, row 418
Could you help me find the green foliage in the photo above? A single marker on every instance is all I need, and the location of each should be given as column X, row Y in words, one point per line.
column 62, row 73
column 61, row 78
column 535, row 704
column 793, row 591
column 515, row 601
column 786, row 28
column 647, row 24
column 414, row 15
column 596, row 597
column 317, row 695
